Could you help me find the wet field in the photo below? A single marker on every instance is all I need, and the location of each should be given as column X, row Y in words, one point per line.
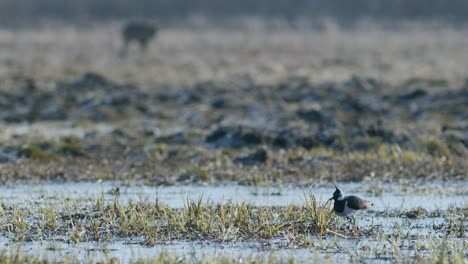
column 223, row 145
column 411, row 218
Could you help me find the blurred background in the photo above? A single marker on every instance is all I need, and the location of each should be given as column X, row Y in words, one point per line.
column 24, row 12
column 204, row 40
column 161, row 80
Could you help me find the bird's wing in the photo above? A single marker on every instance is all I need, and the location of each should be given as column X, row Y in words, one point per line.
column 357, row 203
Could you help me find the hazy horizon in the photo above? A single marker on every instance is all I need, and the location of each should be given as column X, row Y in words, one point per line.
column 345, row 13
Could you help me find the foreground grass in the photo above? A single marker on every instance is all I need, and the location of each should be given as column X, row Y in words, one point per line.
column 154, row 223
column 311, row 227
column 151, row 223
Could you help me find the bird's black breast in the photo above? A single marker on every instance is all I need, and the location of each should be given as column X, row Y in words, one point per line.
column 355, row 202
column 339, row 206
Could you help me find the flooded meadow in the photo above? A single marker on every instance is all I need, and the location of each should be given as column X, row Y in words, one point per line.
column 223, row 145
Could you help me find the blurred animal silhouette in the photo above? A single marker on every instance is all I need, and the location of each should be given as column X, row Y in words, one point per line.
column 139, row 32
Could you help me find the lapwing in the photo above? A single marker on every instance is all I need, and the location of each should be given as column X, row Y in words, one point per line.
column 346, row 206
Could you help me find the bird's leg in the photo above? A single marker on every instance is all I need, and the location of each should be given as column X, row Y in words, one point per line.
column 354, row 223
column 349, row 221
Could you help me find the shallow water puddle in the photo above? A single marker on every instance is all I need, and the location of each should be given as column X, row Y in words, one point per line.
column 126, row 252
column 334, row 249
column 52, row 130
column 177, row 196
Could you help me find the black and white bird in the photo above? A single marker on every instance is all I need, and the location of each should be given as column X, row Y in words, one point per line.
column 346, row 206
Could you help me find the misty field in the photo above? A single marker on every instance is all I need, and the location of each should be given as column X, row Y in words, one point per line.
column 254, row 49
column 221, row 144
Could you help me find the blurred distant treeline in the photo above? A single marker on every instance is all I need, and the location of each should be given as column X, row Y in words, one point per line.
column 24, row 12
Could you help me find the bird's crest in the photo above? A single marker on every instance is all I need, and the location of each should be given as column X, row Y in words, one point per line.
column 335, row 185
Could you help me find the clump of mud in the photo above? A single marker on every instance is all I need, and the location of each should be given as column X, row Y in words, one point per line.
column 247, row 125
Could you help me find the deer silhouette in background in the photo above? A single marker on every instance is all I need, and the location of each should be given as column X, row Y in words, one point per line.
column 139, row 32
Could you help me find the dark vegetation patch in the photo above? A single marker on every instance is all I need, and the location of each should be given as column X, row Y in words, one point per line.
column 295, row 131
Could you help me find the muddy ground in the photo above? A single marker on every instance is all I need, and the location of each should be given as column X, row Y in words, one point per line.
column 256, row 108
